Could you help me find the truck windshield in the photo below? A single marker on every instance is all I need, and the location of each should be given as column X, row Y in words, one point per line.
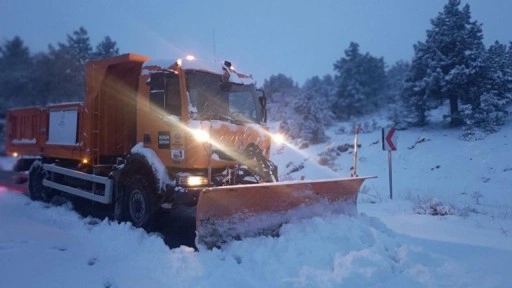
column 207, row 101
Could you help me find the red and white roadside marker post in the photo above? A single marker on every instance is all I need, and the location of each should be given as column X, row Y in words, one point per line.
column 389, row 138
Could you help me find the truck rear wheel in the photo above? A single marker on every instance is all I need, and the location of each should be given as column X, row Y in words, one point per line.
column 36, row 190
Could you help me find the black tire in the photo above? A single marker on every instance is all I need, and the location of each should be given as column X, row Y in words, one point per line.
column 139, row 194
column 138, row 203
column 36, row 190
column 23, row 164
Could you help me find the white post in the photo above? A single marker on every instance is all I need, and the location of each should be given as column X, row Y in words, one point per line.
column 390, row 175
column 356, row 142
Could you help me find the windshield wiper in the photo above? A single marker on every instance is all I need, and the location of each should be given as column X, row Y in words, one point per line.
column 218, row 116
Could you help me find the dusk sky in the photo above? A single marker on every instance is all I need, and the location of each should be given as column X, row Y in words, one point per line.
column 300, row 39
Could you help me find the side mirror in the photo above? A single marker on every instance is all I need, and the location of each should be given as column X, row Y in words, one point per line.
column 263, row 104
column 225, row 86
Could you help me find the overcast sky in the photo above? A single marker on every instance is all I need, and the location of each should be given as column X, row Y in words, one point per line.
column 299, row 38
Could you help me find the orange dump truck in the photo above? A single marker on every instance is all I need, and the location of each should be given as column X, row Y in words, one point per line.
column 159, row 135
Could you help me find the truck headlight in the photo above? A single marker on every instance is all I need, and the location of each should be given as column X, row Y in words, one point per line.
column 201, row 135
column 193, row 181
column 278, row 138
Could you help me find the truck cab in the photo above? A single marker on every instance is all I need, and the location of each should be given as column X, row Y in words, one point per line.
column 200, row 121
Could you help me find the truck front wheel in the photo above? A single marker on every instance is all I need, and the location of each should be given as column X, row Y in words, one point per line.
column 137, row 198
column 139, row 206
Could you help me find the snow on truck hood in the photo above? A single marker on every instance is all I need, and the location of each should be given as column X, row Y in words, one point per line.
column 216, row 125
column 207, row 66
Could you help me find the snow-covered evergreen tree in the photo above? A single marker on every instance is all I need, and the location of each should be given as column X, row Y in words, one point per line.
column 494, row 90
column 326, row 89
column 278, row 87
column 280, row 91
column 446, row 65
column 508, row 71
column 395, row 79
column 329, row 86
column 420, row 86
column 312, row 113
column 360, row 83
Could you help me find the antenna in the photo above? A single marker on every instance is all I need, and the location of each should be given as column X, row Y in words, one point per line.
column 214, row 46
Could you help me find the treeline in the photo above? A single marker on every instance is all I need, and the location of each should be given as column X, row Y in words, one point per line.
column 451, row 66
column 54, row 76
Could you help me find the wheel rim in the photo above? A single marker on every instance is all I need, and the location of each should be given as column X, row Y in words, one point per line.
column 137, row 207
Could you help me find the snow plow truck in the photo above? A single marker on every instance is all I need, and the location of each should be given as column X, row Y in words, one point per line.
column 154, row 135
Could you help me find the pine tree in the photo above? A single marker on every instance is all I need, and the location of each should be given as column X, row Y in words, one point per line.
column 105, row 49
column 360, row 83
column 278, row 86
column 59, row 74
column 393, row 97
column 395, row 78
column 420, row 85
column 446, row 65
column 508, row 71
column 79, row 49
column 328, row 90
column 55, row 77
column 80, row 46
column 15, row 69
column 48, row 77
column 280, row 91
column 494, row 90
column 312, row 112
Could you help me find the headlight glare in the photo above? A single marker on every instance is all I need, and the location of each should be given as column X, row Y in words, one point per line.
column 193, row 181
column 278, row 138
column 201, row 135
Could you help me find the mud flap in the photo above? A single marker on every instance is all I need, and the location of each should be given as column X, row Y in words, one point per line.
column 233, row 212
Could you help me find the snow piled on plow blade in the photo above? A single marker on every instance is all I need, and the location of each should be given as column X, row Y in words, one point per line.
column 234, row 212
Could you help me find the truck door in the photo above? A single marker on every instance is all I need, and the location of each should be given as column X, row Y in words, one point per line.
column 165, row 118
column 165, row 93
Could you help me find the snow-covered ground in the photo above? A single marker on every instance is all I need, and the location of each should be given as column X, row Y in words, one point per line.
column 391, row 243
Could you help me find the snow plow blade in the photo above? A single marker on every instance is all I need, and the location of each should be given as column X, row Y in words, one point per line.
column 234, row 212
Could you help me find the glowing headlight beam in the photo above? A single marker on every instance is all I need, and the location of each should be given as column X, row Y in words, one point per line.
column 278, row 138
column 201, row 135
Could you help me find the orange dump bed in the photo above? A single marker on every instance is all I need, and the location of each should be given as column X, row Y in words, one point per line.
column 98, row 129
column 24, row 130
